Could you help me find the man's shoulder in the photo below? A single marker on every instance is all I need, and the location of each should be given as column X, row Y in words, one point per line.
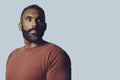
column 58, row 56
column 15, row 51
column 12, row 53
column 56, row 50
column 54, row 46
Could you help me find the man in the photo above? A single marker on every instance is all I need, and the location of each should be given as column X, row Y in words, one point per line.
column 37, row 59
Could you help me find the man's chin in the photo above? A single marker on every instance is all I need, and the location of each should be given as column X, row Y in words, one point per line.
column 34, row 38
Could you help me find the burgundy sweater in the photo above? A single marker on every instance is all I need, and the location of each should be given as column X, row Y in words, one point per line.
column 44, row 62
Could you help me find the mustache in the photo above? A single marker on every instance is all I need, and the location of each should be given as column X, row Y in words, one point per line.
column 38, row 29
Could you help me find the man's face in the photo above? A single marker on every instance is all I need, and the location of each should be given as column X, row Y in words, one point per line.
column 32, row 25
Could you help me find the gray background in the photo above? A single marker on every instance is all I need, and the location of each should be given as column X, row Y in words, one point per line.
column 87, row 29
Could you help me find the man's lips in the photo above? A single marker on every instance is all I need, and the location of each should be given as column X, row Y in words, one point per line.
column 33, row 31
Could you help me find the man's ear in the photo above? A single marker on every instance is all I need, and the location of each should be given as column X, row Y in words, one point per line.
column 45, row 26
column 20, row 26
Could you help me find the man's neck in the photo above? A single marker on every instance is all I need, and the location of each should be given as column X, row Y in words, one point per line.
column 31, row 44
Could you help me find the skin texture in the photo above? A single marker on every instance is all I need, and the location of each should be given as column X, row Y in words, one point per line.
column 30, row 19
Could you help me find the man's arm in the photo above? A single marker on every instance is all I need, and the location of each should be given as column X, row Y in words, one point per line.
column 59, row 67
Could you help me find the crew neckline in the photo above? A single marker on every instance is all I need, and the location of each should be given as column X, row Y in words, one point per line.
column 45, row 42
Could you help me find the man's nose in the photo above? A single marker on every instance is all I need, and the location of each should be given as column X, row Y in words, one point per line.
column 34, row 23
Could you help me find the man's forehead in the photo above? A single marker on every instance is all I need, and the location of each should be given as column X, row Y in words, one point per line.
column 32, row 12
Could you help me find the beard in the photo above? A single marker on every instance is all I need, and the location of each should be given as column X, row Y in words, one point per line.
column 33, row 37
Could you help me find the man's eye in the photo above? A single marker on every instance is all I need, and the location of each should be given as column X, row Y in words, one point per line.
column 28, row 19
column 38, row 20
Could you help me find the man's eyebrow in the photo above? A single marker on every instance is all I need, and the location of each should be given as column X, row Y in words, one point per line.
column 29, row 17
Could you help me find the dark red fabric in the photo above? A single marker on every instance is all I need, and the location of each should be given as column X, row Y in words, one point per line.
column 44, row 62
